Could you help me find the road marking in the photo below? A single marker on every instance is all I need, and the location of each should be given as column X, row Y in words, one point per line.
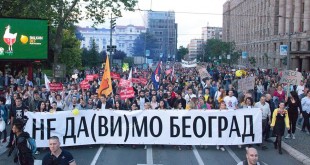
column 37, row 162
column 97, row 155
column 149, row 156
column 232, row 154
column 198, row 158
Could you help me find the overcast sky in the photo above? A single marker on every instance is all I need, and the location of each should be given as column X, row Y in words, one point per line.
column 189, row 25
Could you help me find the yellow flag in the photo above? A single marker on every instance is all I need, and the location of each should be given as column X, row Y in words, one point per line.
column 106, row 84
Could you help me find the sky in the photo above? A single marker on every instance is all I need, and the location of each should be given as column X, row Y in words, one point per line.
column 191, row 16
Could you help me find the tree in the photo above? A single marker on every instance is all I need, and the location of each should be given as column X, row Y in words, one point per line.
column 214, row 48
column 63, row 13
column 182, row 51
column 119, row 55
column 71, row 53
column 252, row 61
column 145, row 41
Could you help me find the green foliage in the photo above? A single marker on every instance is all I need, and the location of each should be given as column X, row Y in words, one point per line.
column 64, row 13
column 119, row 55
column 252, row 61
column 182, row 51
column 214, row 48
column 128, row 60
column 71, row 53
column 145, row 41
column 91, row 57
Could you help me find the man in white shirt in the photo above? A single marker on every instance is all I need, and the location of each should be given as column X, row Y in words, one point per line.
column 231, row 101
column 265, row 108
column 189, row 96
column 300, row 88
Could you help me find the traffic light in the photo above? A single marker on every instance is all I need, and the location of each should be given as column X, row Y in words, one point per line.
column 113, row 23
column 109, row 48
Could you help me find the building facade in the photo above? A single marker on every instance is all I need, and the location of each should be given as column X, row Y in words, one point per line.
column 163, row 27
column 123, row 37
column 195, row 48
column 210, row 32
column 101, row 37
column 259, row 28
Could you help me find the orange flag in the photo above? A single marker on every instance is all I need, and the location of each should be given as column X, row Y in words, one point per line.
column 106, row 84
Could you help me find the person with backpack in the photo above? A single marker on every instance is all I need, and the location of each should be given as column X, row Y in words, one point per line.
column 57, row 156
column 21, row 145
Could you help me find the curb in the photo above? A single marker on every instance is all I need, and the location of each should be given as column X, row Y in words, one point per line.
column 296, row 154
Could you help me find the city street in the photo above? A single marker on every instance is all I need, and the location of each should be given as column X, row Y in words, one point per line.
column 165, row 155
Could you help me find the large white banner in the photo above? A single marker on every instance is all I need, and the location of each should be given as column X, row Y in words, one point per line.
column 189, row 64
column 167, row 127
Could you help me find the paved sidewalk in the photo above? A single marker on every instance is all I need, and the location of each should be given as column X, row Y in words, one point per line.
column 299, row 148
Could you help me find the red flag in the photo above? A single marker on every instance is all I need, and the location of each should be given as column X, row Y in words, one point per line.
column 124, row 83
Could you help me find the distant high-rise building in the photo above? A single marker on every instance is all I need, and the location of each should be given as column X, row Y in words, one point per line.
column 209, row 32
column 260, row 27
column 123, row 37
column 195, row 48
column 163, row 27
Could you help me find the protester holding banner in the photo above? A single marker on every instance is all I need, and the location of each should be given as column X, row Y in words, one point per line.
column 103, row 104
column 280, row 120
column 264, row 107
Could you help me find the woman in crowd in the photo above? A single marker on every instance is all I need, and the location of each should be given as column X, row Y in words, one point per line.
column 154, row 103
column 201, row 103
column 222, row 107
column 59, row 102
column 280, row 120
column 294, row 108
column 41, row 107
column 54, row 108
column 48, row 104
column 117, row 105
column 248, row 103
column 210, row 103
column 279, row 95
column 161, row 105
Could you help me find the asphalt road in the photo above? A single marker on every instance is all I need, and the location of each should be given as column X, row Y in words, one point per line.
column 164, row 155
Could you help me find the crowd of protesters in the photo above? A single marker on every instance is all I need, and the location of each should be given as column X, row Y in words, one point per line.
column 181, row 89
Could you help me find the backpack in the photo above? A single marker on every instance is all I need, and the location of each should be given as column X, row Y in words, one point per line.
column 31, row 144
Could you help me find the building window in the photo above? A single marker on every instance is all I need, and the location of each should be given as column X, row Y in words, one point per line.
column 308, row 45
column 298, row 45
column 275, row 47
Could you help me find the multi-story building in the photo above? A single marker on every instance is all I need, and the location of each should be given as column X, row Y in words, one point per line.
column 100, row 36
column 209, row 32
column 126, row 36
column 162, row 25
column 123, row 37
column 195, row 48
column 260, row 27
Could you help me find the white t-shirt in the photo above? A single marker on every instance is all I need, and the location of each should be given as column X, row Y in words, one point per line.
column 300, row 89
column 231, row 102
column 188, row 97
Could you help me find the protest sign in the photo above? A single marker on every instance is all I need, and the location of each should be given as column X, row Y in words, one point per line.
column 84, row 84
column 126, row 93
column 115, row 75
column 291, row 77
column 55, row 86
column 246, row 84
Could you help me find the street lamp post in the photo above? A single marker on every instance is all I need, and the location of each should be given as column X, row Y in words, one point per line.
column 289, row 41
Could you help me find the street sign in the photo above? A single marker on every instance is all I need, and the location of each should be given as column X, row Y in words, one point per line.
column 244, row 55
column 283, row 50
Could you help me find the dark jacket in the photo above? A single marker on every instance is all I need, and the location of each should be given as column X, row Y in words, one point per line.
column 107, row 105
column 23, row 155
